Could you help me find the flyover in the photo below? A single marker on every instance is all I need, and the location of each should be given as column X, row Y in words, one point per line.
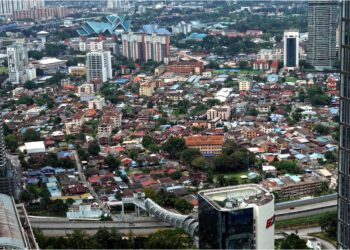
column 161, row 218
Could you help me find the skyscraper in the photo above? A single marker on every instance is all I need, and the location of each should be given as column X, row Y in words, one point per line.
column 99, row 66
column 8, row 6
column 238, row 217
column 322, row 26
column 344, row 138
column 17, row 63
column 7, row 176
column 291, row 50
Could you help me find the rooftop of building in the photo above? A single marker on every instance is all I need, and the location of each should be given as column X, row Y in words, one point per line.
column 10, row 226
column 237, row 197
column 112, row 25
column 50, row 60
column 204, row 140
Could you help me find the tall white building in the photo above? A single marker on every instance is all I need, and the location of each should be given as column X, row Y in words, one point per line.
column 17, row 63
column 8, row 6
column 99, row 66
column 237, row 217
column 323, row 20
column 122, row 5
column 291, row 50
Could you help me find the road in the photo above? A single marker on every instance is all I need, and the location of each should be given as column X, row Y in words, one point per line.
column 87, row 184
column 18, row 170
column 306, row 210
column 62, row 226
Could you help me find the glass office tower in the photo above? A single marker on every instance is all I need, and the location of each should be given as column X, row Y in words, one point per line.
column 344, row 139
column 238, row 217
column 7, row 176
column 291, row 50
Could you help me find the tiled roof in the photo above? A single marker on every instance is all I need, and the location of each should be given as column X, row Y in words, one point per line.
column 111, row 26
column 204, row 140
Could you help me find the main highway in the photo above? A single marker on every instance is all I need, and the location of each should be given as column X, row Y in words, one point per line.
column 305, row 210
column 147, row 225
column 62, row 226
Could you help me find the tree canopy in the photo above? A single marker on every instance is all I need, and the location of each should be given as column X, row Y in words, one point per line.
column 293, row 241
column 174, row 146
column 169, row 239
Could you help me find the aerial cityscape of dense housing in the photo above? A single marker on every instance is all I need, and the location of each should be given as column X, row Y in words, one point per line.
column 173, row 125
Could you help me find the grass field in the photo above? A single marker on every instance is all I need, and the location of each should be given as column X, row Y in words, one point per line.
column 237, row 175
column 3, row 70
column 302, row 221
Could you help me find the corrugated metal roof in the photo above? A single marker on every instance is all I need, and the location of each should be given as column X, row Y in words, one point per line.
column 10, row 227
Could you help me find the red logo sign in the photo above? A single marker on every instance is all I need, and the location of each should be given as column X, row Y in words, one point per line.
column 270, row 222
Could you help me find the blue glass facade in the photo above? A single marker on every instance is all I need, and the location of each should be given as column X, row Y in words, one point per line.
column 231, row 229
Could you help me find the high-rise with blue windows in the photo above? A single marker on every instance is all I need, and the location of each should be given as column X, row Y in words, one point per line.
column 237, row 217
column 344, row 138
column 7, row 175
column 291, row 50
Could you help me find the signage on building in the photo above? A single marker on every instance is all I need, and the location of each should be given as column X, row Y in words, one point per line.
column 270, row 222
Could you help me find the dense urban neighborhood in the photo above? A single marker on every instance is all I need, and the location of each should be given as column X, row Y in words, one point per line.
column 149, row 113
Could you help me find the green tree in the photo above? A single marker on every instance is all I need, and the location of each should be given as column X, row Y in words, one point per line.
column 199, row 163
column 27, row 100
column 37, row 55
column 109, row 239
column 321, row 129
column 183, row 206
column 296, row 116
column 330, row 157
column 29, row 85
column 174, row 146
column 183, row 106
column 169, row 239
column 94, row 149
column 244, row 65
column 31, row 135
column 293, row 241
column 11, row 141
column 288, row 166
column 301, row 95
column 328, row 224
column 147, row 141
column 317, row 96
column 224, row 163
column 67, row 163
column 189, row 154
column 213, row 102
column 57, row 120
column 253, row 112
column 112, row 162
column 54, row 50
column 80, row 240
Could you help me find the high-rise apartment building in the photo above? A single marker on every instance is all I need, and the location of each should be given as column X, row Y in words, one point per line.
column 99, row 66
column 291, row 50
column 41, row 13
column 7, row 7
column 7, row 176
column 120, row 5
column 145, row 47
column 17, row 63
column 322, row 25
column 344, row 139
column 237, row 217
